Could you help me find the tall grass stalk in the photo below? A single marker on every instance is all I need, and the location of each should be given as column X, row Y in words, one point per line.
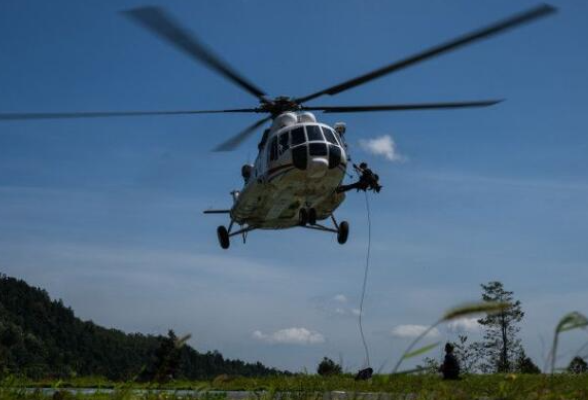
column 571, row 321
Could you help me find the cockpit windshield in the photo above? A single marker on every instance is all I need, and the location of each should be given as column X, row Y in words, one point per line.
column 314, row 133
column 305, row 142
column 329, row 135
column 298, row 136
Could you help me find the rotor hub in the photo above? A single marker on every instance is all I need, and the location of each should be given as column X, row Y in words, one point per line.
column 280, row 105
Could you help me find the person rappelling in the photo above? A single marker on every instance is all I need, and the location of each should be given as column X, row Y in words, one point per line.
column 368, row 180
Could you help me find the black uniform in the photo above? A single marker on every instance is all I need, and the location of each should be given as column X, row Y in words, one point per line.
column 450, row 367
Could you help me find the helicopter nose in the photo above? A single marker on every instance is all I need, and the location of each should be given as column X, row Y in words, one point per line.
column 317, row 167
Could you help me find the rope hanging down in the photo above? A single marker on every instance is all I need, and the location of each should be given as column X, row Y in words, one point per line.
column 365, row 276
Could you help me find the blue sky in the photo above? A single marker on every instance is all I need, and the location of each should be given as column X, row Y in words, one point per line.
column 106, row 214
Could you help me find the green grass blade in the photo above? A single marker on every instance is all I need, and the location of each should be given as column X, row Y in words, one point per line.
column 420, row 351
column 475, row 308
column 573, row 320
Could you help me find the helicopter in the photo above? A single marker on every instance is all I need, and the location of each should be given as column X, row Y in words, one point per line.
column 297, row 177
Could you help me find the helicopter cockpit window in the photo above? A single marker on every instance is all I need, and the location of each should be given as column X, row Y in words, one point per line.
column 334, row 156
column 314, row 133
column 317, row 149
column 284, row 142
column 329, row 135
column 298, row 136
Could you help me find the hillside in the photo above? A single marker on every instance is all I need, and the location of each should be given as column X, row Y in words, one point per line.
column 40, row 337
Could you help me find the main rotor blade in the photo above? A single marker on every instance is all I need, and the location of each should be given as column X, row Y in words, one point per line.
column 236, row 140
column 157, row 21
column 514, row 21
column 403, row 107
column 108, row 114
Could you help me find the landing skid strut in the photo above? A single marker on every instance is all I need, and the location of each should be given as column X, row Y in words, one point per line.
column 225, row 234
column 342, row 229
column 307, row 219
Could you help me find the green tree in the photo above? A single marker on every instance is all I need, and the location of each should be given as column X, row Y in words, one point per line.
column 524, row 364
column 468, row 354
column 328, row 367
column 501, row 345
column 166, row 360
column 578, row 366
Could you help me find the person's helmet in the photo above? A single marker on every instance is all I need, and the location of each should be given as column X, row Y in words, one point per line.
column 340, row 128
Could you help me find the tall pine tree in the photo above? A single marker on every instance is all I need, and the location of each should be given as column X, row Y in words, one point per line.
column 501, row 345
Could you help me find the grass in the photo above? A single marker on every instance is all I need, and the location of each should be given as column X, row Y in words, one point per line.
column 312, row 387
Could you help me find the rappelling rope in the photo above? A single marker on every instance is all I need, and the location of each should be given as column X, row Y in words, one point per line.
column 365, row 277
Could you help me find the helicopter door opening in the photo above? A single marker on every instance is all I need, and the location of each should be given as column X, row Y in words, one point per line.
column 273, row 150
column 284, row 144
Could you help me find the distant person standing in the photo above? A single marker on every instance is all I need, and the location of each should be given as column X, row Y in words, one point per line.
column 450, row 366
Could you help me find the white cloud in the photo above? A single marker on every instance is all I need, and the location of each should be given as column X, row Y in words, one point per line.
column 382, row 146
column 412, row 331
column 347, row 311
column 337, row 305
column 464, row 325
column 300, row 336
column 340, row 298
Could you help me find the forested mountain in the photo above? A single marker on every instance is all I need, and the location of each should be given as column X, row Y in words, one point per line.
column 40, row 337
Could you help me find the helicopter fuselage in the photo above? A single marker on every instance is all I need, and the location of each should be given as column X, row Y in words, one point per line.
column 301, row 163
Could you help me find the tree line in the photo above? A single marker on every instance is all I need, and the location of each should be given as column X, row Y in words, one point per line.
column 42, row 338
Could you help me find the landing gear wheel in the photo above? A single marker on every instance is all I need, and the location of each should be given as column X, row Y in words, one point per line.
column 223, row 237
column 343, row 232
column 312, row 216
column 303, row 217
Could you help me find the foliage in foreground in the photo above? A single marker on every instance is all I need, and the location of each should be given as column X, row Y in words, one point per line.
column 303, row 387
